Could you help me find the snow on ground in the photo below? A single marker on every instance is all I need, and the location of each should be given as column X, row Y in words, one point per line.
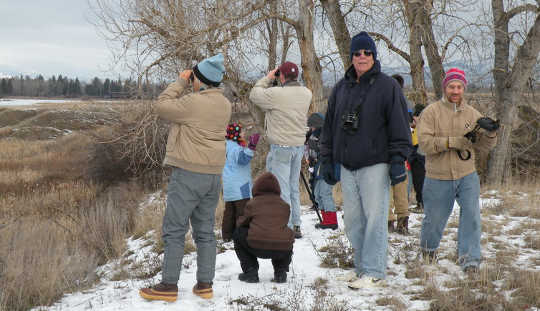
column 35, row 101
column 297, row 293
column 31, row 101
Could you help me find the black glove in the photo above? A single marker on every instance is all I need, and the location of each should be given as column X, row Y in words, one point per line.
column 327, row 170
column 488, row 124
column 397, row 170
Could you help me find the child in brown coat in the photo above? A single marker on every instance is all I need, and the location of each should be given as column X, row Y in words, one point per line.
column 263, row 233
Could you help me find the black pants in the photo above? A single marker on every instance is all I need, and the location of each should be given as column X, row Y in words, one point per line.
column 233, row 210
column 418, row 174
column 248, row 255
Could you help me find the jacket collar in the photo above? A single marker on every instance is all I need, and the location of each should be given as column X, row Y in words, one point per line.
column 453, row 106
column 291, row 83
column 351, row 76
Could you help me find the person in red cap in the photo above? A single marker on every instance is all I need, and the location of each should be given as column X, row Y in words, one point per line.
column 286, row 107
column 450, row 174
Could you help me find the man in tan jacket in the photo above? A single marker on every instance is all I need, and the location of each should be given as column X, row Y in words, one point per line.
column 450, row 170
column 196, row 152
column 286, row 107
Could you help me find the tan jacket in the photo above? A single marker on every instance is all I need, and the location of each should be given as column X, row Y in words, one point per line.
column 438, row 123
column 285, row 108
column 196, row 139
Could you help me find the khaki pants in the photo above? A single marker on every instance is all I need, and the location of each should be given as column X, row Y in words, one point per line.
column 399, row 203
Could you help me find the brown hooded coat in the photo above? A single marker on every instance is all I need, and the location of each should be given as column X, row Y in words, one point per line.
column 267, row 215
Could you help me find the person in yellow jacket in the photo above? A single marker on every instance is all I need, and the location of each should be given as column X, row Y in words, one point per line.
column 417, row 162
column 450, row 174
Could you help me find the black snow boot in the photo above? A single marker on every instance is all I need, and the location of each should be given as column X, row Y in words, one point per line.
column 251, row 276
column 280, row 277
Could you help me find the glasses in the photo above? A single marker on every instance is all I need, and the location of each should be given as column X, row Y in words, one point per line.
column 359, row 53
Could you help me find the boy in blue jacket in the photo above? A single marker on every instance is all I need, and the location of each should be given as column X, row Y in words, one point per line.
column 237, row 181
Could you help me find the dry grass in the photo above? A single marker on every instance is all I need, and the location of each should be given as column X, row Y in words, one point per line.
column 336, row 253
column 57, row 225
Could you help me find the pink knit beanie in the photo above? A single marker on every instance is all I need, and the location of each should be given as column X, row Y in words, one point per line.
column 454, row 74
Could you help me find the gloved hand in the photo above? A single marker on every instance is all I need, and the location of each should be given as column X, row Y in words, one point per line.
column 459, row 143
column 397, row 170
column 253, row 141
column 327, row 171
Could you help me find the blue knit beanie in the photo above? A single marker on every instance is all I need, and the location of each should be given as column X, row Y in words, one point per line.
column 210, row 71
column 363, row 41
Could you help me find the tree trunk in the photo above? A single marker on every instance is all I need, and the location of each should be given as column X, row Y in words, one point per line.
column 272, row 28
column 432, row 52
column 311, row 66
column 285, row 34
column 341, row 33
column 414, row 14
column 509, row 84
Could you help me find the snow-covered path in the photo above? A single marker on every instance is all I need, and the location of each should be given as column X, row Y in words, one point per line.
column 308, row 283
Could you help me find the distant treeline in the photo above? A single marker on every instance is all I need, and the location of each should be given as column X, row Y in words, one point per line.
column 63, row 86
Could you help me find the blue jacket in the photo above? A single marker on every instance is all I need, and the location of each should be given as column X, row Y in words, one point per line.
column 383, row 127
column 237, row 180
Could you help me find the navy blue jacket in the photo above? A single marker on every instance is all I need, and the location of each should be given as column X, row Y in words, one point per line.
column 383, row 129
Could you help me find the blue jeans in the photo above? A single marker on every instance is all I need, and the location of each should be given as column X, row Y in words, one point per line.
column 365, row 206
column 324, row 196
column 285, row 163
column 439, row 196
column 191, row 197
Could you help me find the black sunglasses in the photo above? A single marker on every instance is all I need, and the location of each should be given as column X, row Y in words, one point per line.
column 363, row 52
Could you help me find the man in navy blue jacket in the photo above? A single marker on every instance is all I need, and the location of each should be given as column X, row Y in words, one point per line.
column 366, row 130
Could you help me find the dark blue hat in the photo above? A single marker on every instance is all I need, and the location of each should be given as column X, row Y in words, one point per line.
column 363, row 41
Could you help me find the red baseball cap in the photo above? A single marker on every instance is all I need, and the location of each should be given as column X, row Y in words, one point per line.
column 289, row 70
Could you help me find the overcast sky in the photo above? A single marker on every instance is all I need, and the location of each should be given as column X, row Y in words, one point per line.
column 51, row 37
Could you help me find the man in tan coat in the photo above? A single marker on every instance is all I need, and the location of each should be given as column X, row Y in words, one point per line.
column 450, row 170
column 286, row 107
column 196, row 152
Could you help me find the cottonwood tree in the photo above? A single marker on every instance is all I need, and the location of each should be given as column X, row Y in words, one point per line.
column 516, row 30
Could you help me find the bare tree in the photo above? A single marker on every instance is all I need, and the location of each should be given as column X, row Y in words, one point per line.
column 341, row 33
column 511, row 71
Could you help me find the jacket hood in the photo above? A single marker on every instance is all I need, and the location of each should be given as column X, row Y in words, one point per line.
column 267, row 183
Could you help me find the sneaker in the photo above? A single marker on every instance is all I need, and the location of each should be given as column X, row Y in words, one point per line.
column 348, row 277
column 161, row 291
column 203, row 290
column 249, row 277
column 280, row 277
column 403, row 225
column 297, row 232
column 366, row 282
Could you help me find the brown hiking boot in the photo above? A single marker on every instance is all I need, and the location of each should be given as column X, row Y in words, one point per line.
column 403, row 225
column 161, row 291
column 391, row 226
column 203, row 290
column 297, row 232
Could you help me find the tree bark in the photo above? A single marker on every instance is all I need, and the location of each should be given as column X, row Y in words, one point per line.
column 414, row 14
column 272, row 28
column 341, row 33
column 311, row 66
column 509, row 83
column 432, row 52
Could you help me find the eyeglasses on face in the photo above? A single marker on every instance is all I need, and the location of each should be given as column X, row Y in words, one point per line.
column 363, row 52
